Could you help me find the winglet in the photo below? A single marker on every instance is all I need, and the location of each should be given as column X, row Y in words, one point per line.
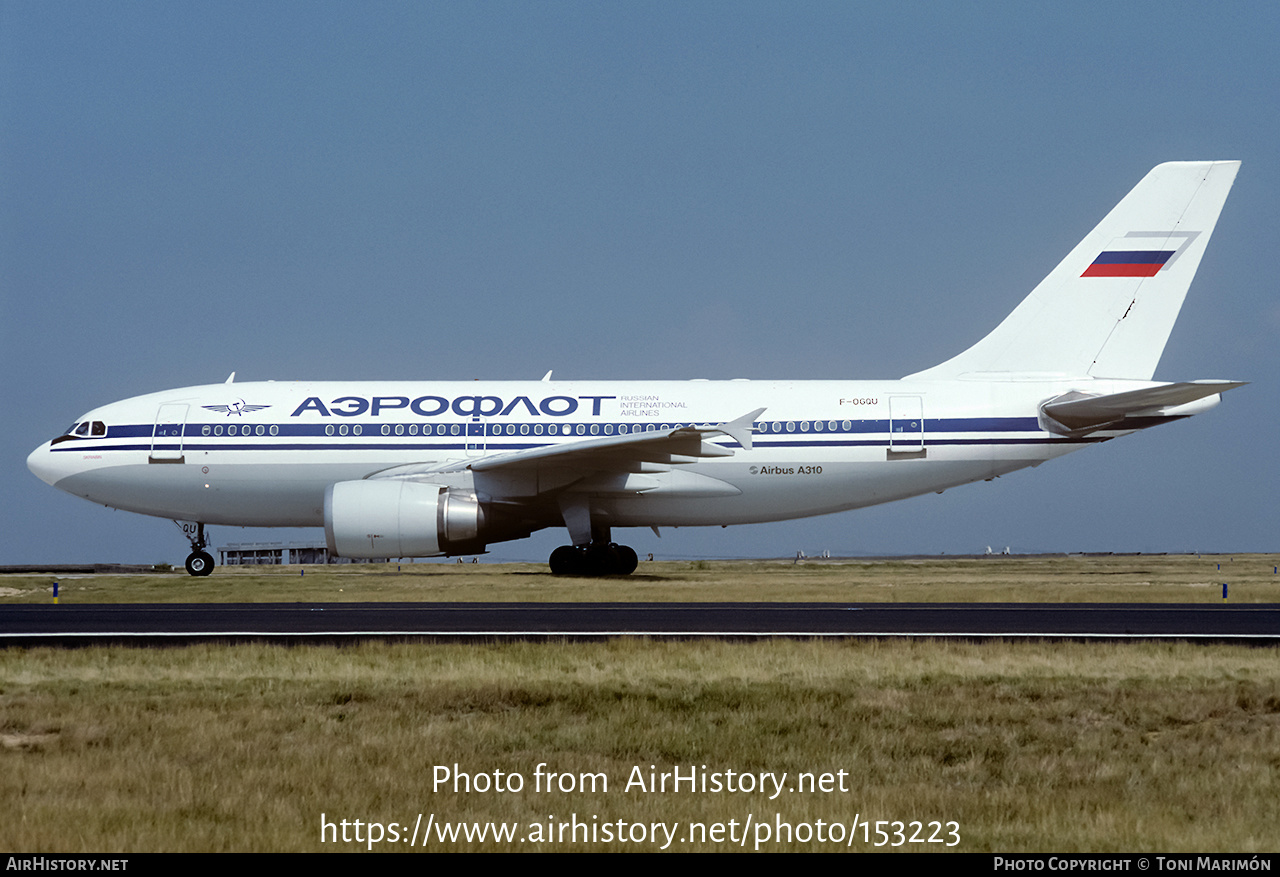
column 740, row 430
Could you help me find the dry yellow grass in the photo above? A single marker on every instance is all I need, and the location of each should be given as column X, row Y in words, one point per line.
column 1027, row 746
column 1038, row 579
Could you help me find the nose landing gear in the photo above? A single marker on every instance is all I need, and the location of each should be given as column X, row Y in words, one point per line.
column 199, row 561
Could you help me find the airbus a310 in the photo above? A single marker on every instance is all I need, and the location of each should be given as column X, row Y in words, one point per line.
column 422, row 469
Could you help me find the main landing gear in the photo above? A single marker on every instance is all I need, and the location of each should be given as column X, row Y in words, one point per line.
column 594, row 559
column 593, row 552
column 199, row 561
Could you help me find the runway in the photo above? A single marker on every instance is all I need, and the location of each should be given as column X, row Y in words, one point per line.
column 85, row 624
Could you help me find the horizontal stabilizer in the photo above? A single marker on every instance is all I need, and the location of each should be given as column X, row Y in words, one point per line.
column 1078, row 412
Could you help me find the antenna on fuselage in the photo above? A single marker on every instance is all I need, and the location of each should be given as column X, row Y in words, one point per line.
column 231, row 378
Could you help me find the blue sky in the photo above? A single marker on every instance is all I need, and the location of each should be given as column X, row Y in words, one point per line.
column 658, row 190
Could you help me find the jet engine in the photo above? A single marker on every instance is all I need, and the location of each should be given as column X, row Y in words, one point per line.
column 396, row 518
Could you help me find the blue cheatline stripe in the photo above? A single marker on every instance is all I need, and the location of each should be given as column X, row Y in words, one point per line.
column 371, row 438
column 982, row 424
column 429, row 430
column 514, row 446
column 929, row 443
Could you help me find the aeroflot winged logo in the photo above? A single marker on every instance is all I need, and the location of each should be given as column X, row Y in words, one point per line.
column 1122, row 258
column 237, row 408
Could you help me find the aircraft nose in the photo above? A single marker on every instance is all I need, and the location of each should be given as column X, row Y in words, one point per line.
column 40, row 462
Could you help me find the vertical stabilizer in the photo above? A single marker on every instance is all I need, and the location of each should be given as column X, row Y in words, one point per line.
column 1107, row 310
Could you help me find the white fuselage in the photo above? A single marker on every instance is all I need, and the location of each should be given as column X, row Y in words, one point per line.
column 262, row 454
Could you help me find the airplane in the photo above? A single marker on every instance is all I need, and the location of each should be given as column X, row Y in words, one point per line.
column 425, row 469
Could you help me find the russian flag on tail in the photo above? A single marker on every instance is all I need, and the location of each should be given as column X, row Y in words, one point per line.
column 1128, row 263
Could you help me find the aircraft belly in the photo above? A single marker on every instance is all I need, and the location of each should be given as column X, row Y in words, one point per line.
column 798, row 487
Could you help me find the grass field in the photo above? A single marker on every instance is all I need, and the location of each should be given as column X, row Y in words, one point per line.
column 1172, row 578
column 1028, row 746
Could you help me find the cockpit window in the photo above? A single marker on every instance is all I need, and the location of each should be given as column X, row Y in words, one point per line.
column 88, row 428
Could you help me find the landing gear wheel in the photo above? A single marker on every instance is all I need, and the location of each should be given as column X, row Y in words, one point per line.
column 597, row 559
column 566, row 561
column 627, row 560
column 199, row 563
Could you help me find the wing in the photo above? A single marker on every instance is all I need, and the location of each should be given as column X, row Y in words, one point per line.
column 619, row 453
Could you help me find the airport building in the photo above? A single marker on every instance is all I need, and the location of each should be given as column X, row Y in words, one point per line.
column 276, row 553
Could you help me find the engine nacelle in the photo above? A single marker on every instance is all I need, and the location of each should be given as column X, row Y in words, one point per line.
column 395, row 518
